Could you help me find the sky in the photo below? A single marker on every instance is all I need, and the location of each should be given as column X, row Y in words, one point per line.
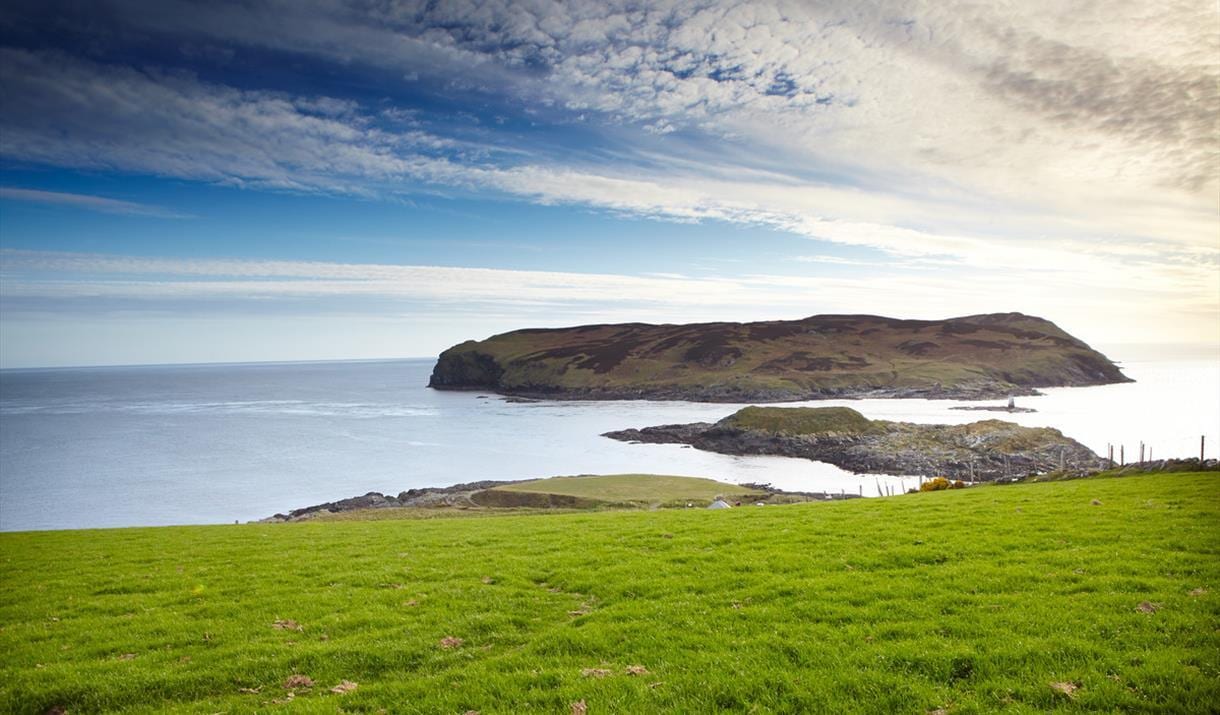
column 321, row 179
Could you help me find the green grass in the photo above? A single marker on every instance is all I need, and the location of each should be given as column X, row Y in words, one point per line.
column 800, row 420
column 631, row 488
column 971, row 601
column 425, row 513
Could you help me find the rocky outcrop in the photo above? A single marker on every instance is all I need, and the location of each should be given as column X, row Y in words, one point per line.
column 458, row 495
column 826, row 356
column 485, row 496
column 980, row 451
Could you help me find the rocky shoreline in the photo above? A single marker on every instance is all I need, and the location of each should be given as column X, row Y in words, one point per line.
column 730, row 394
column 980, row 451
column 458, row 495
column 483, row 495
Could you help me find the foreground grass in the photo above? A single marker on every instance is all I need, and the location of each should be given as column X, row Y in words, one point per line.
column 968, row 601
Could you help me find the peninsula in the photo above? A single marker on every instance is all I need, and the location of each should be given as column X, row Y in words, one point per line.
column 588, row 492
column 826, row 356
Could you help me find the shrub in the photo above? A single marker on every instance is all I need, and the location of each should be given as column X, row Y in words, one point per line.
column 958, row 484
column 934, row 485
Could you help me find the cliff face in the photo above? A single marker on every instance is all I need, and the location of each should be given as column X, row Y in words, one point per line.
column 980, row 451
column 975, row 357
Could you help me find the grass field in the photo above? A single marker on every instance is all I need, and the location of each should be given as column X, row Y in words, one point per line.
column 630, row 488
column 1088, row 595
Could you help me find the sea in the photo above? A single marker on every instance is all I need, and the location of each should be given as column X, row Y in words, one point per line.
column 224, row 443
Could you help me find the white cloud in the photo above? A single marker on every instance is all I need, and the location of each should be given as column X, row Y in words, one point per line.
column 1032, row 100
column 833, row 260
column 68, row 112
column 88, row 202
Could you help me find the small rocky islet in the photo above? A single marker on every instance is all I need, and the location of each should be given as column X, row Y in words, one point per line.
column 988, row 450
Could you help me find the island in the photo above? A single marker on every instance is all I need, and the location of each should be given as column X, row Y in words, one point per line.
column 980, row 451
column 825, row 356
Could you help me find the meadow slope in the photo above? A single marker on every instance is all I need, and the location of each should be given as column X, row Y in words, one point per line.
column 980, row 600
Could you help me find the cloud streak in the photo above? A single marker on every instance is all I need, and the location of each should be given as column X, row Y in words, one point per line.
column 87, row 202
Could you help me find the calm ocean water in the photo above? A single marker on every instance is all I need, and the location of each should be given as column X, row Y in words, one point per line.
column 138, row 446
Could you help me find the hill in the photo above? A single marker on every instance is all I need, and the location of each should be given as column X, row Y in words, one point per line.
column 1094, row 595
column 975, row 357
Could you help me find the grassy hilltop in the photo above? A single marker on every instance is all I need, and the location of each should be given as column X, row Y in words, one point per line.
column 1088, row 595
column 980, row 356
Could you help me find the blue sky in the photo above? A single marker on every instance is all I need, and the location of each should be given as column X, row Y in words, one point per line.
column 184, row 182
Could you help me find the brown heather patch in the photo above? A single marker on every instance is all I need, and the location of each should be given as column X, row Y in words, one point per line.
column 298, row 681
column 1065, row 688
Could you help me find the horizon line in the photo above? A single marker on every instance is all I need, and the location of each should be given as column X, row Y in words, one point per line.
column 1101, row 347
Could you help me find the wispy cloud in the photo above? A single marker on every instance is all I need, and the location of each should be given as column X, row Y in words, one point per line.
column 88, row 202
column 958, row 91
column 1158, row 305
column 832, row 260
column 69, row 112
column 172, row 124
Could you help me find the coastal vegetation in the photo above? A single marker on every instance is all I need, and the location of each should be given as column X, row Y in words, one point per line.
column 583, row 492
column 1090, row 595
column 801, row 421
column 975, row 357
